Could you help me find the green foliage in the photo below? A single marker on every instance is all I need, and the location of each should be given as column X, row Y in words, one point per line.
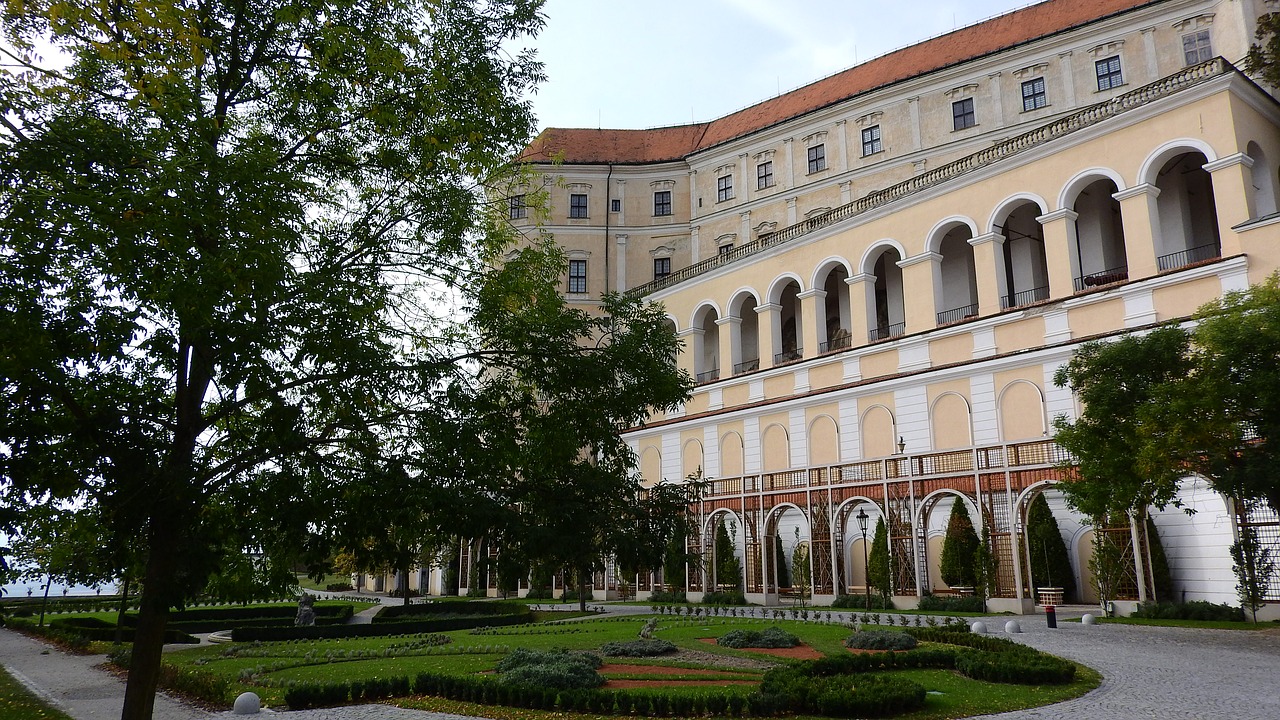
column 952, row 603
column 1122, row 466
column 771, row 637
column 780, row 562
column 637, row 648
column 664, row 596
column 1194, row 610
column 728, row 567
column 1162, row 577
column 841, row 696
column 959, row 548
column 801, row 581
column 724, row 597
column 470, row 608
column 881, row 640
column 1111, row 560
column 1254, row 567
column 987, row 565
column 876, row 601
column 1025, row 668
column 878, row 574
column 1050, row 564
column 561, row 670
column 674, row 565
column 1263, row 59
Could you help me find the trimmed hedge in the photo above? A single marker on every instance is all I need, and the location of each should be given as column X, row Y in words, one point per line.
column 773, row 637
column 724, row 597
column 1194, row 610
column 859, row 602
column 1022, row 668
column 958, row 603
column 842, row 696
column 95, row 629
column 467, row 608
column 881, row 640
column 558, row 669
column 663, row 596
column 407, row 627
column 637, row 648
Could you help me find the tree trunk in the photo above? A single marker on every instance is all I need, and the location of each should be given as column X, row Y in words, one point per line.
column 582, row 590
column 153, row 613
column 404, row 583
column 124, row 607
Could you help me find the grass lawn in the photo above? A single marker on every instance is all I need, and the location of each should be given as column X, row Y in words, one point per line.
column 269, row 668
column 1203, row 624
column 18, row 703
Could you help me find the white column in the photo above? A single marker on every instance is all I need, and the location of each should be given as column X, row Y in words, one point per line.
column 841, row 135
column 693, row 194
column 1068, row 79
column 1149, row 46
column 913, row 107
column 747, row 189
column 621, row 240
column 791, row 211
column 622, row 201
column 788, row 172
column 744, row 231
column 997, row 100
column 846, row 192
column 695, row 246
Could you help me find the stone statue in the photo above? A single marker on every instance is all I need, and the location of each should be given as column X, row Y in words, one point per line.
column 650, row 625
column 306, row 612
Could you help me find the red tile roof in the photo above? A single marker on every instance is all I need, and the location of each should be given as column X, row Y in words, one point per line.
column 588, row 146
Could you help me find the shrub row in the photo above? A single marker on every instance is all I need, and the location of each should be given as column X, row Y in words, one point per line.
column 225, row 614
column 408, row 627
column 958, row 603
column 398, row 613
column 637, row 648
column 664, row 596
column 724, row 597
column 557, row 669
column 185, row 679
column 1194, row 610
column 860, row 602
column 94, row 629
column 1001, row 660
column 774, row 637
column 837, row 696
column 881, row 640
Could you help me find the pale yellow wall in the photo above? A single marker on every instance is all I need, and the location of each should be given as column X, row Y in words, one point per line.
column 824, row 436
column 1096, row 318
column 731, row 457
column 651, row 463
column 691, row 457
column 877, row 431
column 953, row 349
column 950, row 420
column 1020, row 335
column 1022, row 412
column 1186, row 298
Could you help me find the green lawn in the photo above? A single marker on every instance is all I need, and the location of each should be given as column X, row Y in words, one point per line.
column 18, row 703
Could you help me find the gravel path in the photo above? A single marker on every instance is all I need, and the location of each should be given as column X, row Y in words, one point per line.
column 1166, row 673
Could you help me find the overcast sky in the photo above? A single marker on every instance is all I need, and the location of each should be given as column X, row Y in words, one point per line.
column 647, row 63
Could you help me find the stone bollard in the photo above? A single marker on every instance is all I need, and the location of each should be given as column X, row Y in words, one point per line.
column 1012, row 627
column 246, row 704
column 978, row 628
column 1088, row 619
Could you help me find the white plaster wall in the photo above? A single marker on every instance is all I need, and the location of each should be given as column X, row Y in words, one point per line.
column 912, row 416
column 986, row 426
column 672, row 457
column 1197, row 546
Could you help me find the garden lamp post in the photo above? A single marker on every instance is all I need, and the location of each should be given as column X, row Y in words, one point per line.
column 866, row 576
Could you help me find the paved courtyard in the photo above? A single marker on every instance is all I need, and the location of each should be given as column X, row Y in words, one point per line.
column 1149, row 673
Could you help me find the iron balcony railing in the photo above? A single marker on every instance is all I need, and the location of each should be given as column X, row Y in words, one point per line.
column 1106, row 277
column 746, row 366
column 841, row 341
column 787, row 356
column 955, row 315
column 1190, row 256
column 1026, row 297
column 708, row 376
column 884, row 332
column 1186, row 78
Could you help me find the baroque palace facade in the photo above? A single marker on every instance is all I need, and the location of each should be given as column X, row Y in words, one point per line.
column 877, row 275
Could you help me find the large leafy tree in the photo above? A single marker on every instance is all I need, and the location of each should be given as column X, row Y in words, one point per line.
column 221, row 225
column 1121, row 466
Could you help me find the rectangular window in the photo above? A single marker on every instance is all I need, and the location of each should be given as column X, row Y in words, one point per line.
column 724, row 188
column 962, row 115
column 661, row 268
column 1196, row 47
column 662, row 202
column 764, row 175
column 1109, row 74
column 577, row 206
column 1033, row 95
column 615, row 205
column 577, row 276
column 516, row 207
column 726, row 248
column 871, row 141
column 817, row 158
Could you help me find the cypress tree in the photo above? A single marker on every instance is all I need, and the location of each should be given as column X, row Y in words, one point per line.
column 1050, row 564
column 959, row 548
column 780, row 561
column 878, row 560
column 728, row 569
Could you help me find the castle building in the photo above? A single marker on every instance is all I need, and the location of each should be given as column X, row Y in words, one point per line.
column 877, row 275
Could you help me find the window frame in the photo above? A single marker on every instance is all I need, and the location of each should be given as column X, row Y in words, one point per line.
column 817, row 156
column 661, row 203
column 872, row 141
column 1038, row 98
column 578, row 207
column 577, row 277
column 516, row 209
column 964, row 114
column 1202, row 52
column 724, row 249
column 615, row 205
column 661, row 267
column 724, row 188
column 764, row 175
column 1103, row 70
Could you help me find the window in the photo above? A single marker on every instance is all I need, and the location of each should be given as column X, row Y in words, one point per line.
column 817, row 158
column 1033, row 96
column 764, row 175
column 1196, row 47
column 662, row 202
column 577, row 206
column 726, row 248
column 661, row 268
column 871, row 141
column 615, row 205
column 516, row 207
column 724, row 188
column 962, row 114
column 1108, row 71
column 578, row 276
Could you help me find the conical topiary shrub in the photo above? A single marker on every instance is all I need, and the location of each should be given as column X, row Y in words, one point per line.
column 878, row 560
column 959, row 548
column 1050, row 564
column 780, row 562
